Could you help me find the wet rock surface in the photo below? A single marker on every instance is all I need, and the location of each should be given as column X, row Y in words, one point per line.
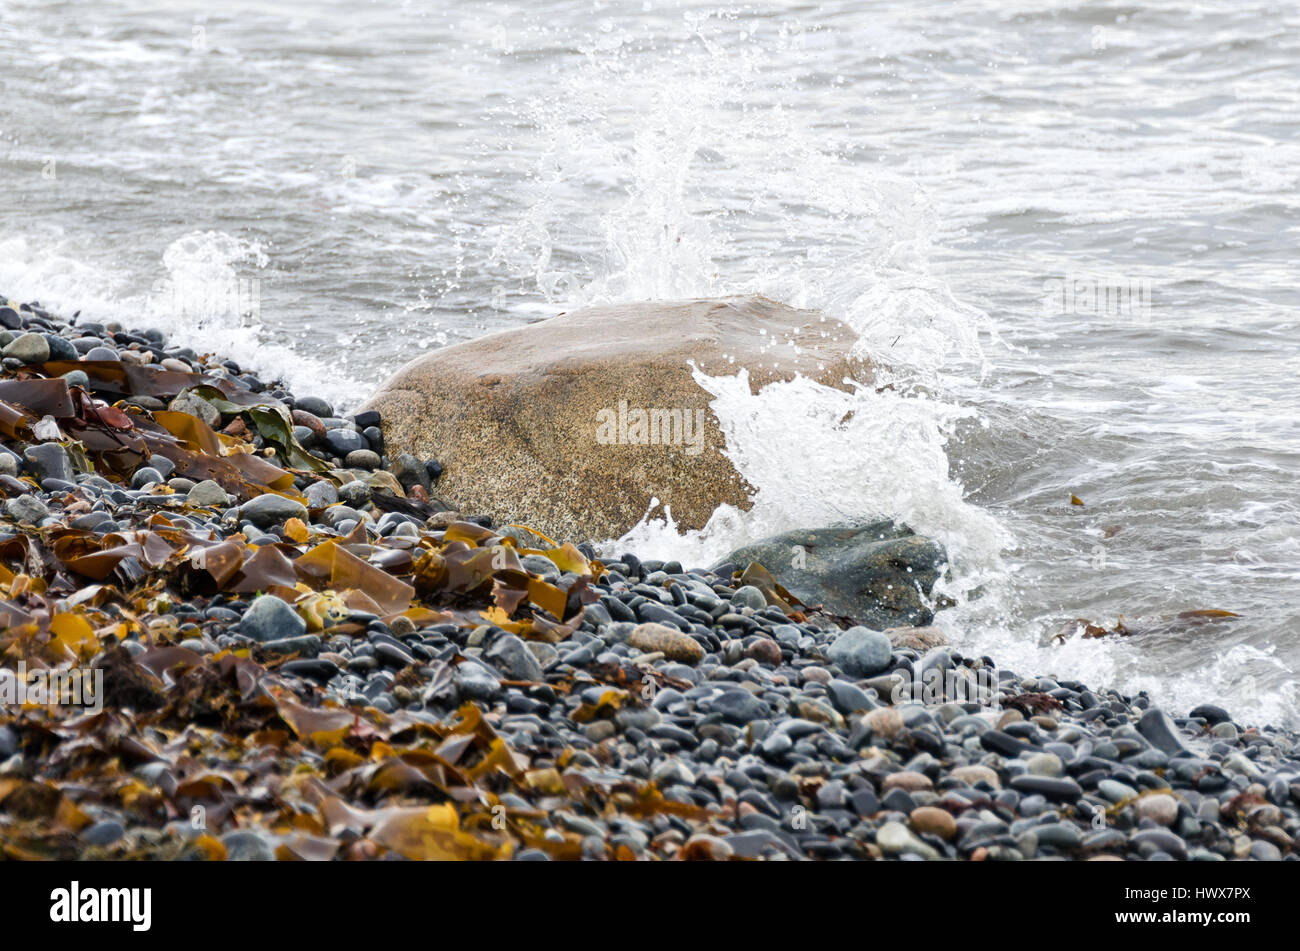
column 880, row 574
column 514, row 416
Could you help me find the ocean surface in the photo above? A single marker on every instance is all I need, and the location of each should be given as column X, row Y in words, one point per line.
column 1067, row 229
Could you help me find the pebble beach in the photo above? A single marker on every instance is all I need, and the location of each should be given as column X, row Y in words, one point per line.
column 301, row 650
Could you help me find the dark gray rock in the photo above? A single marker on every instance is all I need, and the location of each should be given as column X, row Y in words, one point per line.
column 738, row 706
column 245, row 845
column 848, row 697
column 410, row 471
column 1211, row 714
column 1159, row 840
column 1057, row 789
column 354, row 493
column 61, row 349
column 105, row 832
column 512, row 657
column 313, row 669
column 1161, row 732
column 48, row 460
column 270, row 509
column 860, row 652
column 871, row 574
column 308, row 645
column 26, row 508
column 340, row 442
column 314, row 405
column 270, row 619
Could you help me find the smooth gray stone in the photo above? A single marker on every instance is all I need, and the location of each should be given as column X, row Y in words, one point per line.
column 321, row 494
column 1060, row 790
column 738, row 706
column 309, row 645
column 1060, row 835
column 27, row 509
column 245, row 845
column 340, row 442
column 105, row 832
column 861, row 652
column 269, row 510
column 512, row 657
column 1161, row 839
column 29, row 348
column 871, row 573
column 48, row 460
column 849, row 698
column 270, row 619
column 1161, row 732
column 207, row 493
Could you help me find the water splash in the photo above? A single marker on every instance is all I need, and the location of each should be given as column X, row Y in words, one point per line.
column 653, row 147
column 207, row 296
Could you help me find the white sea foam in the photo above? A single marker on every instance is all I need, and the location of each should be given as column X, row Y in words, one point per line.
column 842, row 237
column 207, row 294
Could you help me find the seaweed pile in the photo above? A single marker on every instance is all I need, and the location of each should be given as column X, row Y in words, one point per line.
column 298, row 651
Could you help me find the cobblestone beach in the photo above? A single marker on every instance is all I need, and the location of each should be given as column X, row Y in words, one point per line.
column 288, row 645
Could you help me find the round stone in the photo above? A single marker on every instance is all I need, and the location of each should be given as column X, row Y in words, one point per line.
column 314, row 405
column 61, row 348
column 931, row 820
column 1045, row 764
column 672, row 643
column 974, row 774
column 362, row 459
column 1161, row 808
column 749, row 597
column 860, row 652
column 340, row 442
column 245, row 845
column 894, row 838
column 764, row 651
column 271, row 509
column 354, row 493
column 270, row 619
column 105, row 832
column 29, row 348
column 145, row 476
column 906, row 780
column 207, row 493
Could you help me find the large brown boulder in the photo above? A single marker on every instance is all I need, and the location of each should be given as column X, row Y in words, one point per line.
column 573, row 424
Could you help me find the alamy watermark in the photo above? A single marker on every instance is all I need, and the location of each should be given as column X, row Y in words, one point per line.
column 636, row 426
column 1097, row 294
column 76, row 904
column 934, row 686
column 75, row 687
column 227, row 297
